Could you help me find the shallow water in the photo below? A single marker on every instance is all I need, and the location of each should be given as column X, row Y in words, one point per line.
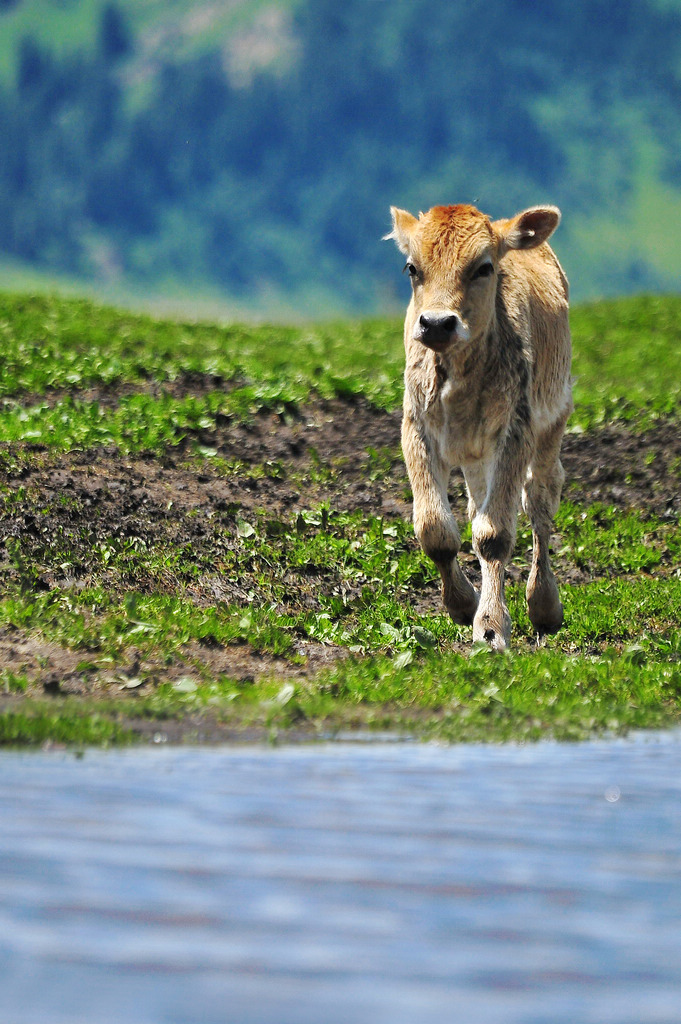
column 381, row 883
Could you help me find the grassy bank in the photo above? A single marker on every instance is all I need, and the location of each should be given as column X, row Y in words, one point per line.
column 205, row 535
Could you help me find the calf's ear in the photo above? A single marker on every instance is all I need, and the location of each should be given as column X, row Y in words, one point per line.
column 528, row 229
column 403, row 225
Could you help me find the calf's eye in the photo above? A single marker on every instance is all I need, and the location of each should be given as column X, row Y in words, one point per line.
column 484, row 270
column 411, row 270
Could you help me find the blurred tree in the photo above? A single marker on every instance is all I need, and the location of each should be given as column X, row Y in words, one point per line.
column 115, row 41
column 33, row 65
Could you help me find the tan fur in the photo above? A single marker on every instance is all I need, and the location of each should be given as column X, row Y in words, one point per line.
column 487, row 388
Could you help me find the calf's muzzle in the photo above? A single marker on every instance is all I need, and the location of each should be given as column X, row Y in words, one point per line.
column 438, row 330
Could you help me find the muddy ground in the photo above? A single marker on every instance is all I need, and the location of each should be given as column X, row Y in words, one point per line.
column 345, row 453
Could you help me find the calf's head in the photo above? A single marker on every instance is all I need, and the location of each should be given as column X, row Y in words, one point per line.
column 454, row 255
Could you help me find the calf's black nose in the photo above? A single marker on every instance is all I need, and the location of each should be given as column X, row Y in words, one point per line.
column 446, row 324
column 437, row 330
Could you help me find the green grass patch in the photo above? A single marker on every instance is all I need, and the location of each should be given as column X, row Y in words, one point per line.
column 53, row 343
column 94, row 621
column 439, row 695
column 616, row 667
column 521, row 697
column 344, row 578
column 12, row 682
column 72, row 725
column 643, row 612
column 625, row 359
column 602, row 537
column 138, row 423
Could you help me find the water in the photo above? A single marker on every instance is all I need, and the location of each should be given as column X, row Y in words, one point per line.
column 343, row 884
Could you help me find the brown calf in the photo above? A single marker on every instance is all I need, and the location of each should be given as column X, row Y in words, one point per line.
column 487, row 388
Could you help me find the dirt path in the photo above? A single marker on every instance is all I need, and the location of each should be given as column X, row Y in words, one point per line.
column 611, row 465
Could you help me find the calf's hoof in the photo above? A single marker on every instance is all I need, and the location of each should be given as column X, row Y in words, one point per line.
column 463, row 613
column 459, row 596
column 544, row 607
column 493, row 630
column 546, row 620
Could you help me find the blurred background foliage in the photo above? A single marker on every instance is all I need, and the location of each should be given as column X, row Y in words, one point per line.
column 251, row 150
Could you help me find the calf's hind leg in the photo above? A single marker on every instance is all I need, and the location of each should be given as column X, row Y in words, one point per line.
column 541, row 498
column 434, row 524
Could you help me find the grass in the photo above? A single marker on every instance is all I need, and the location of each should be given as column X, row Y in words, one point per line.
column 124, row 601
column 625, row 363
column 626, row 359
column 72, row 725
column 602, row 537
column 52, row 344
column 365, row 573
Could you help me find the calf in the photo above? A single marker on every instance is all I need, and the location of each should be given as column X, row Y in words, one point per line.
column 487, row 388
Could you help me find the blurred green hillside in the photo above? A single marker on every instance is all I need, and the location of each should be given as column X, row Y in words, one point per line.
column 249, row 150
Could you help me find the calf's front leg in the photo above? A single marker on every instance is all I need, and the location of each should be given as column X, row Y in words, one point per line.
column 434, row 524
column 493, row 539
column 494, row 491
